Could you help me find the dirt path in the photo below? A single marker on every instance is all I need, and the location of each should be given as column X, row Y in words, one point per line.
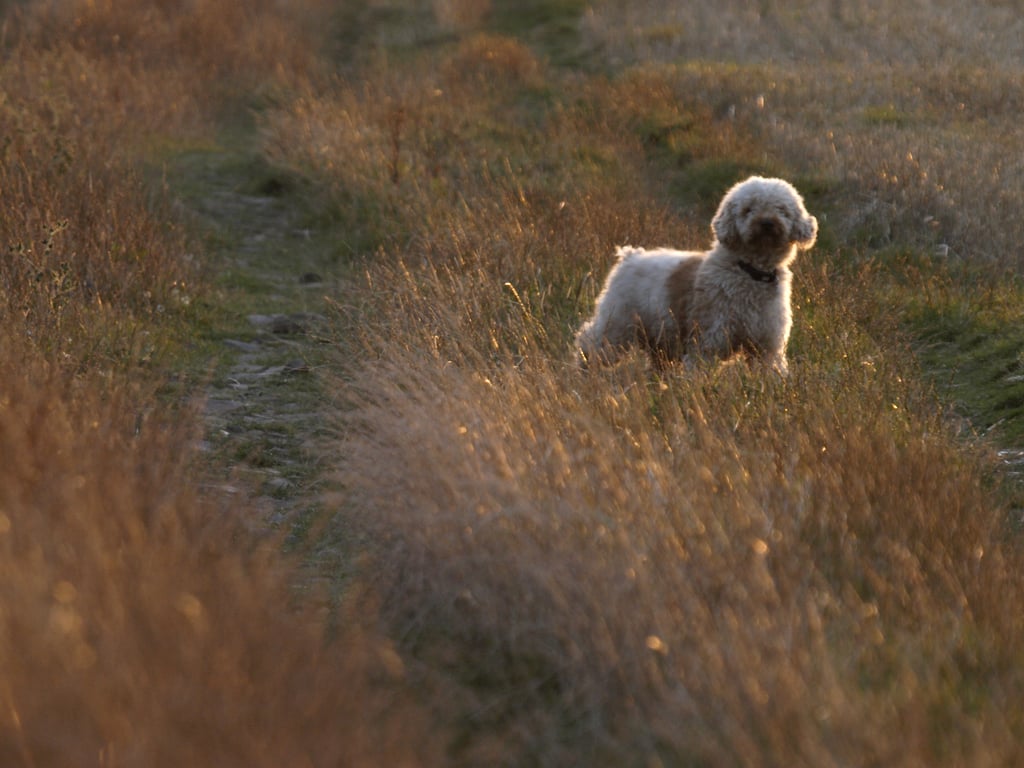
column 266, row 330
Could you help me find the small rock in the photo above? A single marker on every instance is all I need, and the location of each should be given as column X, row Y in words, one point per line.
column 261, row 321
column 242, row 346
column 271, row 371
column 295, row 324
column 288, row 325
column 216, row 406
column 310, row 278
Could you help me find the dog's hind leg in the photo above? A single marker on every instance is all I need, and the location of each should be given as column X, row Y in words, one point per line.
column 592, row 348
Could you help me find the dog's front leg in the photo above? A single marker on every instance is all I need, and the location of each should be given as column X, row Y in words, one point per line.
column 714, row 341
column 779, row 363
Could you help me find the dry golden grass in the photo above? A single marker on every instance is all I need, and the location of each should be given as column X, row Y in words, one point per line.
column 911, row 107
column 145, row 625
column 189, row 47
column 143, row 622
column 461, row 14
column 713, row 568
column 715, row 571
column 710, row 569
column 716, row 568
column 88, row 86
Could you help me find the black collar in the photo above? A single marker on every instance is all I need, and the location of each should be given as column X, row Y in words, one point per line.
column 757, row 274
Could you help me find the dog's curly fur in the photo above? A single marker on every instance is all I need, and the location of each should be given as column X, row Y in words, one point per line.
column 734, row 298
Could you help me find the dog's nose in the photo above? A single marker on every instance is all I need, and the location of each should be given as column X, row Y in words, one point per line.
column 769, row 227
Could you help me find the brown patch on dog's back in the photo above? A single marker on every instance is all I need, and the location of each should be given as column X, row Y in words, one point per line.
column 680, row 293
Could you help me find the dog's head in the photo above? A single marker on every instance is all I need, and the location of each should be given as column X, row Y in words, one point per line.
column 766, row 217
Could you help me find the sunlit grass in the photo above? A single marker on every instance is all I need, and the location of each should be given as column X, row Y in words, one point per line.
column 705, row 566
column 147, row 619
column 708, row 566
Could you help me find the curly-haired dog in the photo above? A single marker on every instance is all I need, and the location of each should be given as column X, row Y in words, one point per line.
column 732, row 299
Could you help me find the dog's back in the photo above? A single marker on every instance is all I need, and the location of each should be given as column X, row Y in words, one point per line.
column 645, row 298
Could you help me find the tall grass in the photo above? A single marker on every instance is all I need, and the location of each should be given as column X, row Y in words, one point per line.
column 191, row 48
column 710, row 567
column 910, row 105
column 86, row 264
column 93, row 256
column 143, row 624
column 144, row 620
column 909, row 116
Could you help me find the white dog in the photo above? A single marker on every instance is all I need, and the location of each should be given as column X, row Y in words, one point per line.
column 732, row 299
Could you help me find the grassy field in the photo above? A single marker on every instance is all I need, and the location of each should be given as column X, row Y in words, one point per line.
column 298, row 468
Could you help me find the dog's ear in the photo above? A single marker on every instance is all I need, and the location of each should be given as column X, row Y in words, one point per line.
column 725, row 224
column 805, row 232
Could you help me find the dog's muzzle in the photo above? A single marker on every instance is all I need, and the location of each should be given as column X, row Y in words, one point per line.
column 768, row 230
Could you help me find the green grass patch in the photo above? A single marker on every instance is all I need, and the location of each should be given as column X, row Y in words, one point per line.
column 552, row 26
column 887, row 114
column 973, row 352
column 702, row 183
column 967, row 328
